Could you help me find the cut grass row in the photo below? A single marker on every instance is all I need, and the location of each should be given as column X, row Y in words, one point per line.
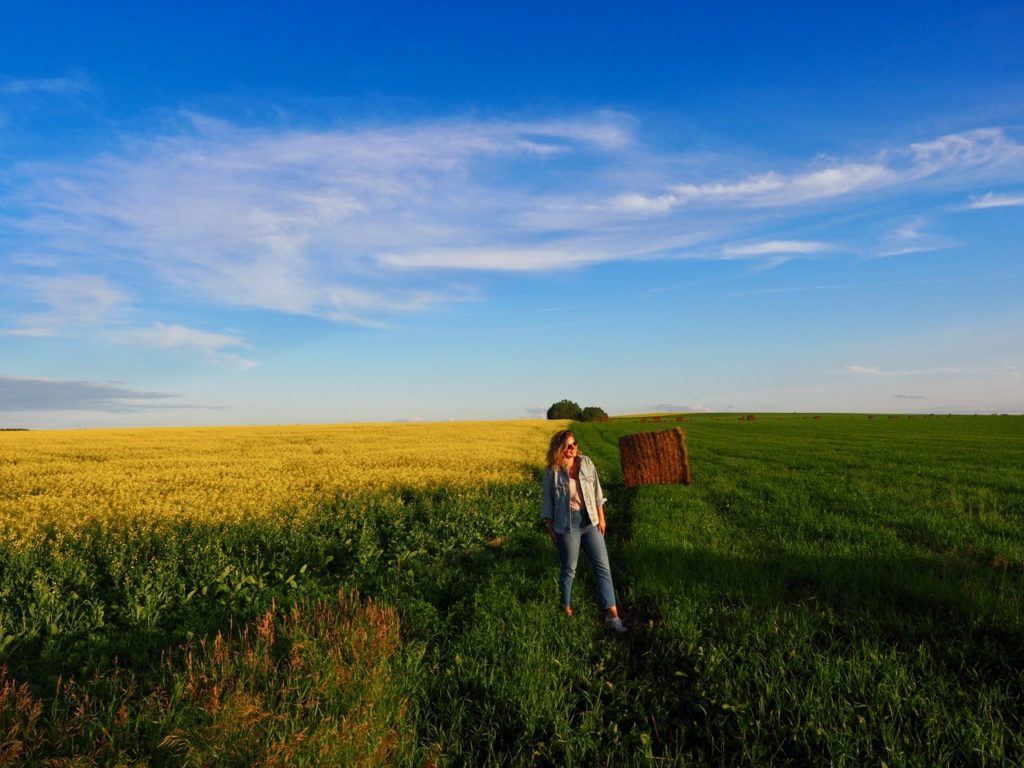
column 845, row 591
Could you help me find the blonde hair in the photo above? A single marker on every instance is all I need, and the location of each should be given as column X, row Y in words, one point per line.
column 556, row 450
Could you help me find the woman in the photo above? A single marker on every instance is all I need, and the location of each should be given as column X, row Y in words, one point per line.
column 574, row 510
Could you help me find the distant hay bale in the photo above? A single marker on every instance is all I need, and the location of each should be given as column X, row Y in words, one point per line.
column 680, row 418
column 751, row 416
column 871, row 415
column 817, row 417
column 655, row 458
column 657, row 418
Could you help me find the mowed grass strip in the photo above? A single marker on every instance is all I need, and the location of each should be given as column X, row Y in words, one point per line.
column 840, row 590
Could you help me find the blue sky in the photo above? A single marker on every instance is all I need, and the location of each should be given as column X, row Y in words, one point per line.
column 233, row 213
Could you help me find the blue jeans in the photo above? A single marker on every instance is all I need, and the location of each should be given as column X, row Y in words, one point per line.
column 591, row 539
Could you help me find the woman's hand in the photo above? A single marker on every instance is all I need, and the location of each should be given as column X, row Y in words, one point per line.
column 551, row 531
column 601, row 525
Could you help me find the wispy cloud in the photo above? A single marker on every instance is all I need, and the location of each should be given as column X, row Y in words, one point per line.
column 364, row 224
column 62, row 301
column 992, row 200
column 73, row 84
column 76, row 304
column 947, row 159
column 302, row 221
column 213, row 346
column 499, row 259
column 774, row 248
column 767, row 189
column 910, row 237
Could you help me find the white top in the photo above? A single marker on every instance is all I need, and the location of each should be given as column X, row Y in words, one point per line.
column 575, row 493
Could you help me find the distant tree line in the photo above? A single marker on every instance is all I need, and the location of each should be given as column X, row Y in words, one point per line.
column 567, row 409
column 13, row 429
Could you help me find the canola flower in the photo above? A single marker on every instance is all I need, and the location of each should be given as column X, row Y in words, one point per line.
column 57, row 481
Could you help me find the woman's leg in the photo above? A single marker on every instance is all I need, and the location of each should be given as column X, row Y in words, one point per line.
column 568, row 553
column 597, row 553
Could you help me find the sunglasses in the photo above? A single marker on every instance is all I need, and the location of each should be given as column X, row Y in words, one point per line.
column 569, row 445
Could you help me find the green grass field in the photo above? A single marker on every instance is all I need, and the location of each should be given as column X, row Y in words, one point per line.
column 836, row 590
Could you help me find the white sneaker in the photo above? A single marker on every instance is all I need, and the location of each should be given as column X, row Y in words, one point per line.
column 615, row 624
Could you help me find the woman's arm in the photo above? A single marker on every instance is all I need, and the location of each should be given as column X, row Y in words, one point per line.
column 547, row 509
column 599, row 495
column 547, row 506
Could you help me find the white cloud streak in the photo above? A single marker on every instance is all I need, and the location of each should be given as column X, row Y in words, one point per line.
column 775, row 247
column 769, row 189
column 501, row 259
column 952, row 158
column 213, row 346
column 73, row 84
column 910, row 237
column 991, row 200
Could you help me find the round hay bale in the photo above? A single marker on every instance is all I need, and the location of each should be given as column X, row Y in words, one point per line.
column 654, row 458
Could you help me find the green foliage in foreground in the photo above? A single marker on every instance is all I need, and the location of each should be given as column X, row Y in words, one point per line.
column 834, row 590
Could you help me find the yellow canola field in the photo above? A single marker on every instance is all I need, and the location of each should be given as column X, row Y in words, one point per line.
column 62, row 479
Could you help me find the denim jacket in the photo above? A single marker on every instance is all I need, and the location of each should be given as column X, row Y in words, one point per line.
column 555, row 485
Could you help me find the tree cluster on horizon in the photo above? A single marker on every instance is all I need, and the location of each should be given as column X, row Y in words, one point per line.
column 567, row 409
